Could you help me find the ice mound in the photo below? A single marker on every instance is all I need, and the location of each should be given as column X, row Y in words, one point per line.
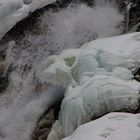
column 99, row 79
column 114, row 126
column 12, row 11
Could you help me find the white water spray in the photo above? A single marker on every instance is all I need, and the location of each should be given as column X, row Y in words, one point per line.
column 20, row 107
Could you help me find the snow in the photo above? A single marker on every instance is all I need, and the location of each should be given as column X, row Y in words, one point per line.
column 13, row 11
column 113, row 126
column 99, row 79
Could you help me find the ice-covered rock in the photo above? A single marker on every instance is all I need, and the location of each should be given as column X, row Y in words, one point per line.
column 94, row 97
column 114, row 126
column 12, row 11
column 108, row 55
column 100, row 79
column 57, row 69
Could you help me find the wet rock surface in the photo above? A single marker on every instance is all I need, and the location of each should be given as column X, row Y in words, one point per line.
column 137, row 74
column 134, row 17
column 5, row 65
column 4, row 82
column 45, row 123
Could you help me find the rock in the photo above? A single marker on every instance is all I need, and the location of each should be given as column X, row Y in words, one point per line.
column 100, row 81
column 45, row 135
column 27, row 1
column 4, row 82
column 137, row 74
column 5, row 65
column 45, row 123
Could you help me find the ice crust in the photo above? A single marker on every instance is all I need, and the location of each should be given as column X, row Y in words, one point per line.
column 13, row 11
column 99, row 79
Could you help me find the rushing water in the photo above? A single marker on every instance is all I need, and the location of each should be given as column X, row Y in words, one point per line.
column 23, row 103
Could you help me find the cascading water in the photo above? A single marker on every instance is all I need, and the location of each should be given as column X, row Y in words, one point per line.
column 22, row 103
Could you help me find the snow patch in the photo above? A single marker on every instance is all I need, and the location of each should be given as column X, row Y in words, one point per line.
column 113, row 126
column 13, row 11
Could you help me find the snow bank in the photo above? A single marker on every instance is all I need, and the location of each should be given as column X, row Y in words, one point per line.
column 12, row 11
column 99, row 77
column 113, row 126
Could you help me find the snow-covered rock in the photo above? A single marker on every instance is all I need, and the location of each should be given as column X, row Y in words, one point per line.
column 12, row 11
column 99, row 77
column 114, row 126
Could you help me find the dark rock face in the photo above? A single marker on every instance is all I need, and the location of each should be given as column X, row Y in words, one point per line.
column 45, row 123
column 137, row 74
column 27, row 1
column 134, row 17
column 4, row 82
column 3, row 79
column 47, row 119
column 5, row 64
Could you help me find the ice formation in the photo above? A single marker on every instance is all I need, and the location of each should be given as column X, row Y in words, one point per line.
column 12, row 11
column 114, row 126
column 99, row 79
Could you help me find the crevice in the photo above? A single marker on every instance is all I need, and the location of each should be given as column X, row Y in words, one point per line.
column 45, row 122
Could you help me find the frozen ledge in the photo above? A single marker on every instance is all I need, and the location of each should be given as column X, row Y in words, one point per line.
column 13, row 11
